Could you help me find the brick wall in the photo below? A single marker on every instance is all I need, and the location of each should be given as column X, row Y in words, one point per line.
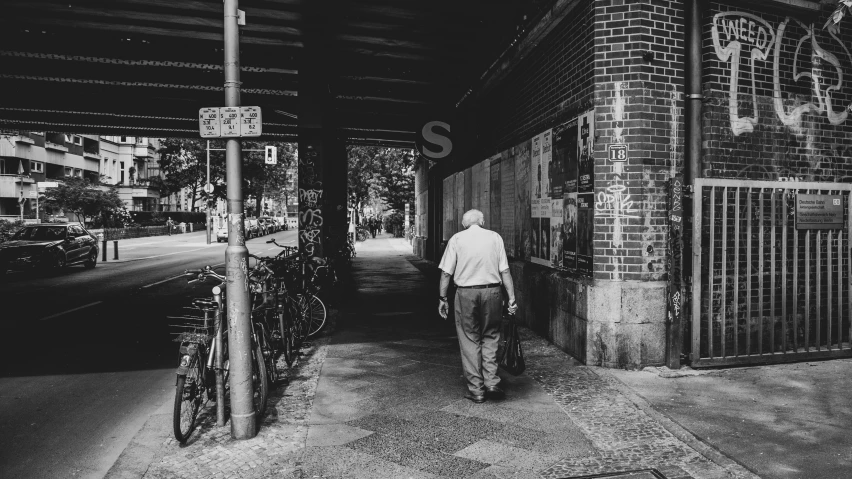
column 639, row 61
column 778, row 126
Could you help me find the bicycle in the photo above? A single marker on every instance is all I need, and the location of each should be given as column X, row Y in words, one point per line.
column 198, row 355
column 312, row 309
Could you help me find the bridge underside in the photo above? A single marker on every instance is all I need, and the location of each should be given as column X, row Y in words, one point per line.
column 145, row 67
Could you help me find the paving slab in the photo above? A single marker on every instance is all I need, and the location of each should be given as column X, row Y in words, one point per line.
column 382, row 397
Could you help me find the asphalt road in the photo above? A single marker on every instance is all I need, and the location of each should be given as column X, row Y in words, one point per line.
column 87, row 355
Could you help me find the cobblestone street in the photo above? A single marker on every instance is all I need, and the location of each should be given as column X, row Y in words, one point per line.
column 381, row 397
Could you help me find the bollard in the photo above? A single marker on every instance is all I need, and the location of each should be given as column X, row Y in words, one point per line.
column 104, row 250
column 115, row 249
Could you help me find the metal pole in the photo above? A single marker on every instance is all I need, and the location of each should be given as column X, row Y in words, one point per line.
column 37, row 218
column 115, row 249
column 243, row 423
column 208, row 193
column 220, row 359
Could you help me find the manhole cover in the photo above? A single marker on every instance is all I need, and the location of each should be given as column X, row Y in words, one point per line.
column 638, row 474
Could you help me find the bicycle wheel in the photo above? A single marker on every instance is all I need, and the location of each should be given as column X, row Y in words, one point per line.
column 260, row 385
column 315, row 312
column 188, row 398
column 268, row 354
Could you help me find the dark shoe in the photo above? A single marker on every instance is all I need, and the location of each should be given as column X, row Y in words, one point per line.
column 494, row 392
column 477, row 398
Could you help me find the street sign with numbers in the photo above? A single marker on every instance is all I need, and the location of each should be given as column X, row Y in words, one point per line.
column 250, row 121
column 230, row 122
column 208, row 123
column 230, row 116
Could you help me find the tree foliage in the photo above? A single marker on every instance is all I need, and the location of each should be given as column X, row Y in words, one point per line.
column 381, row 173
column 183, row 164
column 84, row 198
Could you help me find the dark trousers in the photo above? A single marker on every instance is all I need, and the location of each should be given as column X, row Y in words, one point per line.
column 478, row 314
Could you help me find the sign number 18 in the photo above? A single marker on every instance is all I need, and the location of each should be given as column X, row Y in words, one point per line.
column 617, row 152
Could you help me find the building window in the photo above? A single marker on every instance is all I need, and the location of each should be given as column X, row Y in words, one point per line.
column 121, row 164
column 36, row 167
column 77, row 140
column 2, row 166
column 124, row 139
column 69, row 171
column 141, row 140
column 78, row 172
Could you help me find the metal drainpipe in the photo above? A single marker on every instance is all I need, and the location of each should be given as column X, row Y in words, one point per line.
column 243, row 424
column 692, row 166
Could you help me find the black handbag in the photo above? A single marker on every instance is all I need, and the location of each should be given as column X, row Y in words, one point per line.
column 512, row 356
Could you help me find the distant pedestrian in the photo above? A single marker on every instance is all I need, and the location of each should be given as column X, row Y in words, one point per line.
column 476, row 260
column 169, row 225
column 373, row 226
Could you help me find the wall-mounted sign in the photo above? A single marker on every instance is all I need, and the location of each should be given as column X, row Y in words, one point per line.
column 617, row 152
column 434, row 140
column 819, row 212
column 230, row 122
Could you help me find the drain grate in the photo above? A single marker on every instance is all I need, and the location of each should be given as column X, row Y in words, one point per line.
column 637, row 474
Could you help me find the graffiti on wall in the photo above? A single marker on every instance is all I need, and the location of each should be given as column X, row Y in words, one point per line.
column 614, row 201
column 738, row 34
column 310, row 204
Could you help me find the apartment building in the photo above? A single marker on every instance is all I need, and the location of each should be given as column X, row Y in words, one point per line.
column 26, row 158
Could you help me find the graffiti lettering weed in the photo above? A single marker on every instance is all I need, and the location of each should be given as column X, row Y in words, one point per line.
column 747, row 31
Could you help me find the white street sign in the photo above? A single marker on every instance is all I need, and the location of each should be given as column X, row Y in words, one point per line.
column 230, row 116
column 47, row 184
column 250, row 124
column 209, row 123
column 271, row 156
column 208, row 188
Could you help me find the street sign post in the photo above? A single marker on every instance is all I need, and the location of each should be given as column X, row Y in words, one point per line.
column 209, row 123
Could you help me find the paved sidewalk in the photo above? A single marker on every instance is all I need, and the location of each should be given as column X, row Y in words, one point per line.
column 381, row 397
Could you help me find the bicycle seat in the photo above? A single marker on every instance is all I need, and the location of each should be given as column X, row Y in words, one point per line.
column 205, row 304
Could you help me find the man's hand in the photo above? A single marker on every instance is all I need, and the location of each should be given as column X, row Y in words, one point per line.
column 513, row 307
column 443, row 308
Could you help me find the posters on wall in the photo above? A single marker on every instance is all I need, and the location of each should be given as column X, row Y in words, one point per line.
column 573, row 167
column 541, row 189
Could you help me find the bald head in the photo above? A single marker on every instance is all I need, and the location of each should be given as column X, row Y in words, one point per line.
column 473, row 217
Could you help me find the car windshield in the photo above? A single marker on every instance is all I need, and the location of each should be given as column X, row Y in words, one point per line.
column 41, row 233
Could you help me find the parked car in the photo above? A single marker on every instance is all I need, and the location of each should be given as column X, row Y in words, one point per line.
column 222, row 233
column 267, row 225
column 49, row 246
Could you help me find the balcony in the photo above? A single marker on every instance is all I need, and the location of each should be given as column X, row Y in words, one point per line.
column 10, row 186
column 55, row 146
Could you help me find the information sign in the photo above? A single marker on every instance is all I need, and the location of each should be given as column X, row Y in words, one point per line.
column 230, row 119
column 208, row 188
column 208, row 123
column 819, row 212
column 250, row 121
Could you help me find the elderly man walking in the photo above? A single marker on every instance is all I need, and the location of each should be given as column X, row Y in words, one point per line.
column 476, row 259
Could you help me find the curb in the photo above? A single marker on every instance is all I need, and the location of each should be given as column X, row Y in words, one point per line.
column 734, row 467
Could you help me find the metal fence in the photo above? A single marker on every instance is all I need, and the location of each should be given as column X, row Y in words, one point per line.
column 764, row 291
column 111, row 234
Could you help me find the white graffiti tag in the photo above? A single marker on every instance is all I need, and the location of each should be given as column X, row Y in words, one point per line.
column 614, row 203
column 810, row 62
column 757, row 34
column 818, row 57
column 309, row 198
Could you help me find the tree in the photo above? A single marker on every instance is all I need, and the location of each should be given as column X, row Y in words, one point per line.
column 396, row 177
column 183, row 164
column 381, row 173
column 84, row 198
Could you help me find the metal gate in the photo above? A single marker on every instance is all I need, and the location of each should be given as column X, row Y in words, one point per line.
column 764, row 291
